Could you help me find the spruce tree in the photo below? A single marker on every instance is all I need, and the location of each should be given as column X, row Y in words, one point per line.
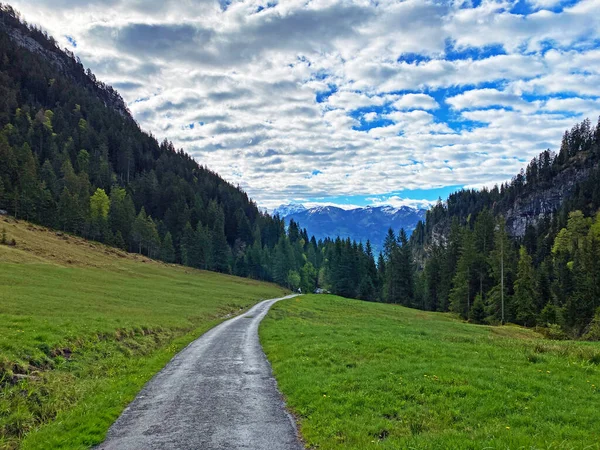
column 404, row 275
column 462, row 292
column 167, row 250
column 477, row 313
column 221, row 253
column 525, row 290
column 139, row 230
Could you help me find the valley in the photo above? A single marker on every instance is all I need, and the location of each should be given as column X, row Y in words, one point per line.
column 150, row 300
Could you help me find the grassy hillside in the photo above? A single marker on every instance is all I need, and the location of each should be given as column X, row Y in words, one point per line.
column 364, row 375
column 84, row 326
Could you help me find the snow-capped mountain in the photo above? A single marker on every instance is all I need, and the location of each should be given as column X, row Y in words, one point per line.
column 289, row 209
column 360, row 224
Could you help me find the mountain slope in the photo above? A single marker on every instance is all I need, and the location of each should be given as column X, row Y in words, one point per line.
column 72, row 158
column 550, row 181
column 360, row 224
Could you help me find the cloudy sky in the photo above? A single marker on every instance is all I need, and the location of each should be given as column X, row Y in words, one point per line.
column 345, row 102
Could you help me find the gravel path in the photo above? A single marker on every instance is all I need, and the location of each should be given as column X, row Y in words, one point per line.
column 218, row 393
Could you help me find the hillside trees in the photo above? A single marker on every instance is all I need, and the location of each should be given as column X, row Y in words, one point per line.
column 547, row 277
column 525, row 290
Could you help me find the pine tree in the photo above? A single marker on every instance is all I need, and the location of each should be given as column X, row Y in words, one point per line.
column 525, row 290
column 139, row 230
column 187, row 243
column 392, row 284
column 500, row 267
column 119, row 242
column 70, row 215
column 121, row 213
column 152, row 238
column 477, row 313
column 368, row 286
column 381, row 277
column 462, row 292
column 28, row 187
column 405, row 270
column 484, row 239
column 451, row 252
column 221, row 253
column 432, row 279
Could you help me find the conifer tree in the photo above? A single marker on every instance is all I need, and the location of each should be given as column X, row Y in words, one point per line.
column 525, row 290
column 221, row 253
column 139, row 230
column 462, row 292
column 477, row 313
column 405, row 270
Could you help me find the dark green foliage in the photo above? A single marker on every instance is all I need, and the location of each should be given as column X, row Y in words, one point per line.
column 167, row 251
column 593, row 330
column 525, row 290
column 462, row 293
column 477, row 312
column 398, row 274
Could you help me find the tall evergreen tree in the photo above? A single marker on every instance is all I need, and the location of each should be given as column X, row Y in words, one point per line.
column 462, row 293
column 525, row 290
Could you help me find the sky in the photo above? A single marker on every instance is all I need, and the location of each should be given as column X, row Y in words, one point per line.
column 344, row 102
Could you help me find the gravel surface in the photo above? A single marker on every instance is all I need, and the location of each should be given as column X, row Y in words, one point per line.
column 218, row 393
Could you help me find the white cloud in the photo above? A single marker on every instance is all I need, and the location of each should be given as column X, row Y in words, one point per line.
column 416, row 101
column 484, row 98
column 370, row 117
column 545, row 4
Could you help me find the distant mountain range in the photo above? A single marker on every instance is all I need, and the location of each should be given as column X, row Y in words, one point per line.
column 360, row 224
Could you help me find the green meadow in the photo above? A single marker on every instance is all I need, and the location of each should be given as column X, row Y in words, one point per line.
column 361, row 375
column 83, row 327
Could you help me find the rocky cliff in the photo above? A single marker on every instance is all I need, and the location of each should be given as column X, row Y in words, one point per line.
column 542, row 202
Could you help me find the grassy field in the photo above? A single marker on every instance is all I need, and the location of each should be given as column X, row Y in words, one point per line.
column 360, row 375
column 84, row 326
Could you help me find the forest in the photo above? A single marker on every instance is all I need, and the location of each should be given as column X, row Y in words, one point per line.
column 73, row 159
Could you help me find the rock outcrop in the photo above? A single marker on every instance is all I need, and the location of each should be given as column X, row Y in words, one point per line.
column 544, row 201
